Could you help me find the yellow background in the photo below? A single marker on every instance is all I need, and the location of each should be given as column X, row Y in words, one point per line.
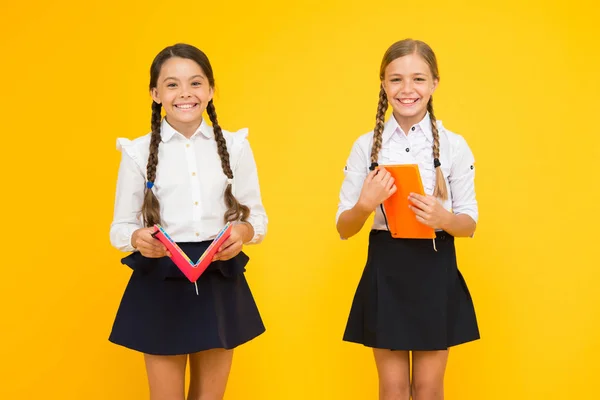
column 518, row 81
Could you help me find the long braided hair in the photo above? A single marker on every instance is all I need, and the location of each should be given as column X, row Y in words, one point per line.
column 151, row 207
column 397, row 50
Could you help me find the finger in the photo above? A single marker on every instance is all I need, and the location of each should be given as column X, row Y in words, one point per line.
column 235, row 244
column 393, row 189
column 229, row 252
column 418, row 202
column 383, row 175
column 430, row 200
column 388, row 182
column 418, row 212
column 417, row 196
column 151, row 248
column 423, row 221
column 226, row 244
column 149, row 241
column 370, row 176
column 152, row 251
column 377, row 174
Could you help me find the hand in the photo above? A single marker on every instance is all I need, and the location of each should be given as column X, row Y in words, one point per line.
column 378, row 187
column 232, row 245
column 150, row 247
column 429, row 210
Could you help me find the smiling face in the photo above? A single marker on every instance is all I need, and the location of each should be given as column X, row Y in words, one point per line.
column 183, row 90
column 409, row 82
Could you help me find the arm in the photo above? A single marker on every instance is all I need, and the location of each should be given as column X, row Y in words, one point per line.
column 351, row 221
column 459, row 225
column 247, row 192
column 361, row 193
column 462, row 221
column 127, row 232
column 128, row 203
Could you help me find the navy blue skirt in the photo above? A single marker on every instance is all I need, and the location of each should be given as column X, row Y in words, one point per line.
column 161, row 314
column 411, row 297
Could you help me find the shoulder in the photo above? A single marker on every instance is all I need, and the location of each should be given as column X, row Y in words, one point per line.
column 236, row 141
column 137, row 149
column 456, row 142
column 363, row 143
column 235, row 138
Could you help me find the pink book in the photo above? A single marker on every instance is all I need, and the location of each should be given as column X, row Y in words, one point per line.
column 192, row 271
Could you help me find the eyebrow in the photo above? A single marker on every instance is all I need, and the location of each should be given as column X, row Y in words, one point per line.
column 417, row 73
column 175, row 79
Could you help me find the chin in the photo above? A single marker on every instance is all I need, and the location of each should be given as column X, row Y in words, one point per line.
column 409, row 113
column 188, row 118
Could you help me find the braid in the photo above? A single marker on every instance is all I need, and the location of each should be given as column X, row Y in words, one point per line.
column 151, row 206
column 379, row 124
column 440, row 190
column 235, row 210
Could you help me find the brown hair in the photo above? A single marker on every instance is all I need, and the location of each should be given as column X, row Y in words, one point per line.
column 397, row 50
column 151, row 206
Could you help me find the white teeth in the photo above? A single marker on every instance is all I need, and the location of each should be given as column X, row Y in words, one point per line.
column 408, row 101
column 185, row 106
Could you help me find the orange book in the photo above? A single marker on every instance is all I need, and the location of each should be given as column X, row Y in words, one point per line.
column 401, row 221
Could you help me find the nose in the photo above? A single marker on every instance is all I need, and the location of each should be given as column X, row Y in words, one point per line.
column 185, row 92
column 407, row 86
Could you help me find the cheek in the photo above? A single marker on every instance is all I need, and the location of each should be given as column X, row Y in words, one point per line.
column 167, row 98
column 391, row 92
column 425, row 91
column 202, row 95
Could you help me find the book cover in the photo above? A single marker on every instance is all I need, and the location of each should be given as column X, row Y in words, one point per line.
column 402, row 222
column 190, row 269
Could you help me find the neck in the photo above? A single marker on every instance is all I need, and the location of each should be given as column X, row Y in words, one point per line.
column 407, row 122
column 186, row 129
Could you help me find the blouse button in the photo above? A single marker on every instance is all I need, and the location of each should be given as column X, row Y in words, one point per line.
column 407, row 149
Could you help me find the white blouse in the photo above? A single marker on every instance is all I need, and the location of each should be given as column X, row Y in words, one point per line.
column 189, row 185
column 397, row 147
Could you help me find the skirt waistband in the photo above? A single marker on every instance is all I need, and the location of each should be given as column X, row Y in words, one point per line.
column 164, row 267
column 439, row 235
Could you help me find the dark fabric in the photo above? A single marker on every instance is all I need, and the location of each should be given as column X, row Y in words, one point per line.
column 160, row 312
column 411, row 297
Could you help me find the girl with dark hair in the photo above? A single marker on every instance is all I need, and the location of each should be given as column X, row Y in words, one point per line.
column 191, row 178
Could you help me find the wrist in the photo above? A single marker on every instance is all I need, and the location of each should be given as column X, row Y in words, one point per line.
column 447, row 220
column 364, row 207
column 133, row 238
column 245, row 230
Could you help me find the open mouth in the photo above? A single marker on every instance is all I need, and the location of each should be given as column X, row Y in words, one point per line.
column 186, row 106
column 408, row 102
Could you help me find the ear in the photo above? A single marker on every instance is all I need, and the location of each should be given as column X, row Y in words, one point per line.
column 155, row 95
column 211, row 93
column 435, row 85
column 384, row 86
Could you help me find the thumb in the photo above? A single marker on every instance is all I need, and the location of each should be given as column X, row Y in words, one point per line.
column 371, row 175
